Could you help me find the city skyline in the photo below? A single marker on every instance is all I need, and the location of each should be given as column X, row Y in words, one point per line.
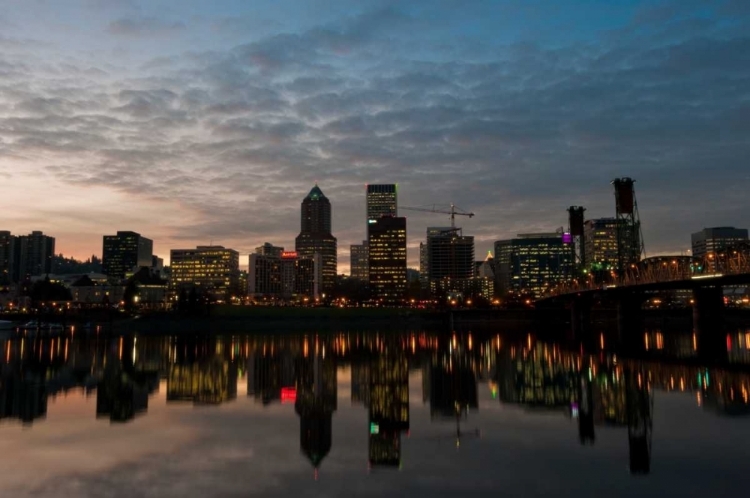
column 194, row 126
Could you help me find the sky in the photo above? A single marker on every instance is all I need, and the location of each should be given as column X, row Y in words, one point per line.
column 198, row 122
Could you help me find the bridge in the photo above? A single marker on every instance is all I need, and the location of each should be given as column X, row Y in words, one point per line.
column 705, row 277
column 730, row 266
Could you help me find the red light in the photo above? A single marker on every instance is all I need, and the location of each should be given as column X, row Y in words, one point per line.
column 288, row 394
column 288, row 254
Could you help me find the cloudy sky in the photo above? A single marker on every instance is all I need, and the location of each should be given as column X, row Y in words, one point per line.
column 193, row 121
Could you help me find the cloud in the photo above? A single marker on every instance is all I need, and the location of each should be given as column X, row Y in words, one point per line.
column 515, row 136
column 144, row 26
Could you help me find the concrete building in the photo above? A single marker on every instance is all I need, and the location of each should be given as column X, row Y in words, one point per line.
column 125, row 253
column 531, row 262
column 315, row 235
column 387, row 258
column 358, row 263
column 214, row 270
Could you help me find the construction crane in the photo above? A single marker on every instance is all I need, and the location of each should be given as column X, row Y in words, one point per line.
column 454, row 211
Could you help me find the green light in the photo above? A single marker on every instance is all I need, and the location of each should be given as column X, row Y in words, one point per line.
column 374, row 428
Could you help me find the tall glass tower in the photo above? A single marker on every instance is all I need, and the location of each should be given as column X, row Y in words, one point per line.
column 381, row 201
column 315, row 236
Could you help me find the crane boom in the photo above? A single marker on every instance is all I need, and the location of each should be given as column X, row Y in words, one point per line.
column 454, row 211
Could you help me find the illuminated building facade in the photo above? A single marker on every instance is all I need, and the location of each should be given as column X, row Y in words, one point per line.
column 450, row 260
column 31, row 255
column 212, row 269
column 381, row 201
column 125, row 252
column 387, row 258
column 600, row 243
column 359, row 254
column 315, row 236
column 264, row 276
column 287, row 276
column 531, row 262
column 711, row 240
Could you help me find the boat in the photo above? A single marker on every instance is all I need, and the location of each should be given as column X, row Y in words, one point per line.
column 6, row 325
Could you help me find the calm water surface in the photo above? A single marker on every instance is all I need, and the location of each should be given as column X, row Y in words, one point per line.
column 370, row 415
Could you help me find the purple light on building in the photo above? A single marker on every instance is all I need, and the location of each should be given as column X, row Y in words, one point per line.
column 567, row 238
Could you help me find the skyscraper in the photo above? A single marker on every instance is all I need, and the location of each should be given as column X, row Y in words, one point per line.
column 387, row 258
column 381, row 201
column 124, row 252
column 600, row 243
column 32, row 255
column 315, row 236
column 358, row 264
column 450, row 259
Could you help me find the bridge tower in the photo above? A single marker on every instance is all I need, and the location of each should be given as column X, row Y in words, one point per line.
column 630, row 247
column 575, row 229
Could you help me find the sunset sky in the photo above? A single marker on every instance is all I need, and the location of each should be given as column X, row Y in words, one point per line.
column 194, row 122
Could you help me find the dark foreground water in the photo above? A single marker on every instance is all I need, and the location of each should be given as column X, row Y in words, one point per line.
column 370, row 415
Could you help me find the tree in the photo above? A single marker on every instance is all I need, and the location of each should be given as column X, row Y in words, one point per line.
column 47, row 291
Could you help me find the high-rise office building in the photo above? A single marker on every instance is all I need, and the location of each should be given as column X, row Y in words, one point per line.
column 214, row 270
column 532, row 262
column 715, row 239
column 264, row 276
column 600, row 243
column 315, row 236
column 387, row 258
column 381, row 201
column 358, row 263
column 424, row 257
column 125, row 252
column 32, row 256
column 7, row 243
column 287, row 276
column 450, row 260
column 269, row 249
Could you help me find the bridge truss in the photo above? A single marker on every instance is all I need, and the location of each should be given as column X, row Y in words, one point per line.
column 733, row 260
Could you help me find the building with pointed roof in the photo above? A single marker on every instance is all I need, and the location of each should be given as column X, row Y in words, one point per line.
column 315, row 235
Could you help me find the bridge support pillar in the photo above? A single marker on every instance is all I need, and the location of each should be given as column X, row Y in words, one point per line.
column 708, row 322
column 630, row 321
column 580, row 317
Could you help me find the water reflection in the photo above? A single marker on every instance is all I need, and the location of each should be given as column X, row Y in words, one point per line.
column 597, row 389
